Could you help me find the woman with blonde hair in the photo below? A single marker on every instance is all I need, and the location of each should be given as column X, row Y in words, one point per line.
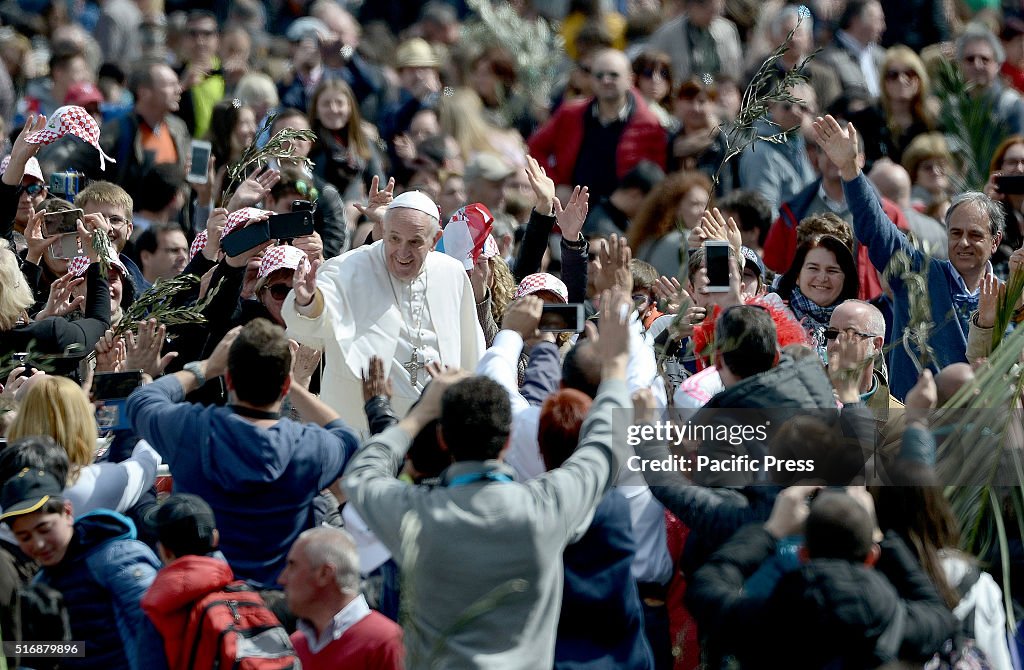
column 345, row 154
column 461, row 115
column 907, row 104
column 58, row 407
column 15, row 293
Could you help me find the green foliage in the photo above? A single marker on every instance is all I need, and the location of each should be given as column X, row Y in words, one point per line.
column 277, row 147
column 532, row 44
column 971, row 131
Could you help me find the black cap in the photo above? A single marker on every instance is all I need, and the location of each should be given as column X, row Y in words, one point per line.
column 184, row 524
column 28, row 491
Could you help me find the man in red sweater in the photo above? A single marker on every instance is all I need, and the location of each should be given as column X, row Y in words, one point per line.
column 596, row 141
column 336, row 628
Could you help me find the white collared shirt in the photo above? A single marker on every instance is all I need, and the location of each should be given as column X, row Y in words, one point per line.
column 349, row 616
column 865, row 59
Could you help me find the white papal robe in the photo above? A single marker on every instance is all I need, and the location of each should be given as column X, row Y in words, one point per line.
column 361, row 317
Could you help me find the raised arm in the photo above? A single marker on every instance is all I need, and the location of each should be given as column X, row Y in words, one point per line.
column 870, row 224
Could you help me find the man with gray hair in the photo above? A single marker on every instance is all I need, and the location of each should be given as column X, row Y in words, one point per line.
column 980, row 55
column 336, row 628
column 393, row 298
column 975, row 227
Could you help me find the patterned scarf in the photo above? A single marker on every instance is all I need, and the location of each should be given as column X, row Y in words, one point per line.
column 812, row 316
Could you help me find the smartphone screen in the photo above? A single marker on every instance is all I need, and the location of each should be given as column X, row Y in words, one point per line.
column 61, row 223
column 291, row 225
column 716, row 261
column 65, row 246
column 197, row 173
column 240, row 241
column 556, row 318
column 1010, row 184
column 115, row 385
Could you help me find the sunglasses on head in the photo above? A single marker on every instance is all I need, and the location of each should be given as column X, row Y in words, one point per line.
column 279, row 291
column 33, row 189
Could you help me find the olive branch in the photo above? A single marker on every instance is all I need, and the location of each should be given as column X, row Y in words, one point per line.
column 278, row 147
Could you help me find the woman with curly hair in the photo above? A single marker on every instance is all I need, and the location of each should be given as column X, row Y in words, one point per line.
column 667, row 215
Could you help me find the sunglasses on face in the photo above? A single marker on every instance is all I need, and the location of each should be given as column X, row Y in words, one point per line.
column 614, row 76
column 833, row 333
column 32, row 189
column 279, row 291
column 663, row 72
column 894, row 75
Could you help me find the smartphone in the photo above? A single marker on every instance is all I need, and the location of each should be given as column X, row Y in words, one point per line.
column 557, row 318
column 197, row 173
column 240, row 241
column 1010, row 184
column 61, row 223
column 302, row 206
column 65, row 246
column 291, row 225
column 115, row 385
column 716, row 262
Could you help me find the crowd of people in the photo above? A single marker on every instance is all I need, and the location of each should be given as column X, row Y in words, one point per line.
column 344, row 334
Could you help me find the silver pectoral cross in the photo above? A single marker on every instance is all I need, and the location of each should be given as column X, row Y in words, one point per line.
column 414, row 366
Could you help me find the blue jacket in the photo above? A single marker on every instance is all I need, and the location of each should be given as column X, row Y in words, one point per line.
column 260, row 482
column 945, row 288
column 103, row 577
column 602, row 623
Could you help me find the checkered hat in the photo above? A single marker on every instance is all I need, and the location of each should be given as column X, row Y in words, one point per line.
column 71, row 120
column 284, row 257
column 236, row 219
column 32, row 168
column 79, row 264
column 542, row 281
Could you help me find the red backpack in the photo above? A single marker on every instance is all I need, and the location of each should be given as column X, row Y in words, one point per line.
column 232, row 629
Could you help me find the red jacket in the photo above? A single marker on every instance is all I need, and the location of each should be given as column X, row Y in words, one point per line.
column 170, row 599
column 556, row 144
column 780, row 245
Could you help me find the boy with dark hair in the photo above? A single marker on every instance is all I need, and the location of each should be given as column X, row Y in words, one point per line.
column 193, row 570
column 95, row 562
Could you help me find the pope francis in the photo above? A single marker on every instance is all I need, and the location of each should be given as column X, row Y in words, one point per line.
column 393, row 298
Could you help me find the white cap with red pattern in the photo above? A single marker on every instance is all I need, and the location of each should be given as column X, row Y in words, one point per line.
column 542, row 281
column 79, row 264
column 71, row 120
column 284, row 257
column 490, row 249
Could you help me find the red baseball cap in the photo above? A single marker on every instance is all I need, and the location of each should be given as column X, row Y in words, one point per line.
column 82, row 94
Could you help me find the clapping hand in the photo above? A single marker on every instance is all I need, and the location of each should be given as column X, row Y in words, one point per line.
column 110, row 353
column 714, row 226
column 669, row 291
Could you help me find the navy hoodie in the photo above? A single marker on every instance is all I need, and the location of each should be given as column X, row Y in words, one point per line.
column 260, row 482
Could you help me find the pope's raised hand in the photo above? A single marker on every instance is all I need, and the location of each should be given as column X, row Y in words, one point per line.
column 304, row 283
